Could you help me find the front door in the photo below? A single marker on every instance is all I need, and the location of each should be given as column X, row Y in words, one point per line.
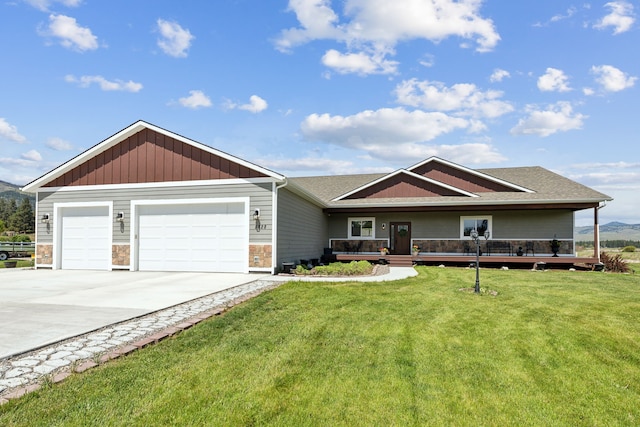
column 400, row 238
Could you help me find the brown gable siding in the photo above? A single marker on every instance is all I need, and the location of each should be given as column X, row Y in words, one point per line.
column 402, row 185
column 459, row 178
column 150, row 156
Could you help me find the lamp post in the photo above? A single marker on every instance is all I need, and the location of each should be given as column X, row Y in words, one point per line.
column 476, row 238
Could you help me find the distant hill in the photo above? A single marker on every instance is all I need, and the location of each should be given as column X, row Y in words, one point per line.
column 12, row 191
column 611, row 231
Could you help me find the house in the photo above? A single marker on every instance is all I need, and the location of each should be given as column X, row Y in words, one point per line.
column 149, row 199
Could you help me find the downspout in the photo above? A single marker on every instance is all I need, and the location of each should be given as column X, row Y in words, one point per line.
column 274, row 237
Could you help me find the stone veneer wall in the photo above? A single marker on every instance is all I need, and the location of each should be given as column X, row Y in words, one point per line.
column 121, row 255
column 44, row 254
column 264, row 254
column 540, row 247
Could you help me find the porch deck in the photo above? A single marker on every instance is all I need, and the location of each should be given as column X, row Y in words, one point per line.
column 464, row 260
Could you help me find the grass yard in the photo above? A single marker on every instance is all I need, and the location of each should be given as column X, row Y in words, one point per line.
column 552, row 348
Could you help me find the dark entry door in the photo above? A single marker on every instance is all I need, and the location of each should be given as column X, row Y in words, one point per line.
column 400, row 238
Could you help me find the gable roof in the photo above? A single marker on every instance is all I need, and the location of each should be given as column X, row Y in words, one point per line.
column 543, row 188
column 402, row 182
column 143, row 153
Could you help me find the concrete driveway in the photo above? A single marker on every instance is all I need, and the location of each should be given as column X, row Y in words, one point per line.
column 41, row 307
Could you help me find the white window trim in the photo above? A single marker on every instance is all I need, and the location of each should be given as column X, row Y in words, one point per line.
column 373, row 227
column 489, row 219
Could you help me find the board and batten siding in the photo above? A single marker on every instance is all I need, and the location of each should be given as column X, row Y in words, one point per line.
column 260, row 198
column 302, row 228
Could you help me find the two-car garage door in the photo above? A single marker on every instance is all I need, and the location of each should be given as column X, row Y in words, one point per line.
column 193, row 237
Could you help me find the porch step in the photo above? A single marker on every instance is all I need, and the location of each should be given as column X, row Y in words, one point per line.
column 399, row 260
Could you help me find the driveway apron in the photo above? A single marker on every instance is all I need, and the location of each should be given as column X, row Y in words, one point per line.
column 40, row 307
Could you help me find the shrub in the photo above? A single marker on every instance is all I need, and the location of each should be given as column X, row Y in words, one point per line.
column 20, row 238
column 614, row 263
column 354, row 268
column 629, row 249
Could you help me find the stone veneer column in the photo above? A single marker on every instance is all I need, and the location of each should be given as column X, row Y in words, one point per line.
column 44, row 254
column 264, row 254
column 121, row 255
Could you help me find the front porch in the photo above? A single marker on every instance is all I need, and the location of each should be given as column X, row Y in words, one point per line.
column 465, row 260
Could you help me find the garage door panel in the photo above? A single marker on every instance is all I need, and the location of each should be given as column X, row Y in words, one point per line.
column 199, row 237
column 85, row 238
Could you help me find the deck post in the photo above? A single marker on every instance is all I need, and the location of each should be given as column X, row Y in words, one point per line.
column 596, row 233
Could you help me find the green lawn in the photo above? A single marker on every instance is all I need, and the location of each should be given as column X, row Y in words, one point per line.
column 552, row 348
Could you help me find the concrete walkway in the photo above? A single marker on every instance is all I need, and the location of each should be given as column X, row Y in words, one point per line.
column 23, row 373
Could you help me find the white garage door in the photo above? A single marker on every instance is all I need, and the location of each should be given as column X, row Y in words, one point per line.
column 205, row 237
column 86, row 237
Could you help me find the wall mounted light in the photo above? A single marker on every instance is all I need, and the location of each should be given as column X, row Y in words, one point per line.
column 384, row 225
column 120, row 217
column 256, row 214
column 45, row 218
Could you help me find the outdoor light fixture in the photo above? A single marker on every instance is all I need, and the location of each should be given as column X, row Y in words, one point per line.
column 256, row 214
column 384, row 225
column 45, row 218
column 120, row 217
column 476, row 238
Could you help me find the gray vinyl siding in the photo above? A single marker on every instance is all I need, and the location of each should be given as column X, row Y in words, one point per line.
column 530, row 224
column 260, row 197
column 302, row 228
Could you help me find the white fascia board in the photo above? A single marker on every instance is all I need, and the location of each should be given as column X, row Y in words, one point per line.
column 466, row 202
column 406, row 172
column 472, row 172
column 165, row 184
column 126, row 133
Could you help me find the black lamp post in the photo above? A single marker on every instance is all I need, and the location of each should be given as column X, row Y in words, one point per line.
column 476, row 238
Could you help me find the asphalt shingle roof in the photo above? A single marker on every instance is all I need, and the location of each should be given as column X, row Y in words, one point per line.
column 546, row 186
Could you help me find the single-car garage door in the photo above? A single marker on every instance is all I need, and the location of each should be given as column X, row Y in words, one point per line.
column 195, row 237
column 85, row 239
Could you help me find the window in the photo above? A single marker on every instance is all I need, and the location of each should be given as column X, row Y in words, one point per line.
column 361, row 227
column 468, row 223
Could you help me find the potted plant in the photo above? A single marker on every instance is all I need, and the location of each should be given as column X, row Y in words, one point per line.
column 416, row 250
column 384, row 251
column 555, row 246
column 10, row 264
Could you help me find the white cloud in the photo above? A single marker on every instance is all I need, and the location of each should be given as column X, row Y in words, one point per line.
column 553, row 80
column 612, row 79
column 10, row 132
column 106, row 85
column 44, row 5
column 384, row 126
column 71, row 35
column 397, row 134
column 196, row 99
column 375, row 27
column 464, row 99
column 255, row 105
column 621, row 17
column 358, row 63
column 175, row 40
column 556, row 118
column 498, row 75
column 32, row 155
column 307, row 164
column 58, row 144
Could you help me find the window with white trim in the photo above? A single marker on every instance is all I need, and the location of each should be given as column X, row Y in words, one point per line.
column 361, row 228
column 480, row 223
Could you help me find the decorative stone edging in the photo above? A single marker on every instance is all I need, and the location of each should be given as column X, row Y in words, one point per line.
column 28, row 372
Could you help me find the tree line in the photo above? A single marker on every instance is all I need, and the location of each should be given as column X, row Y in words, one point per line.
column 17, row 215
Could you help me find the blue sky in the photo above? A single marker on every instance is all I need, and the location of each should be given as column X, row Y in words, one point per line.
column 315, row 87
